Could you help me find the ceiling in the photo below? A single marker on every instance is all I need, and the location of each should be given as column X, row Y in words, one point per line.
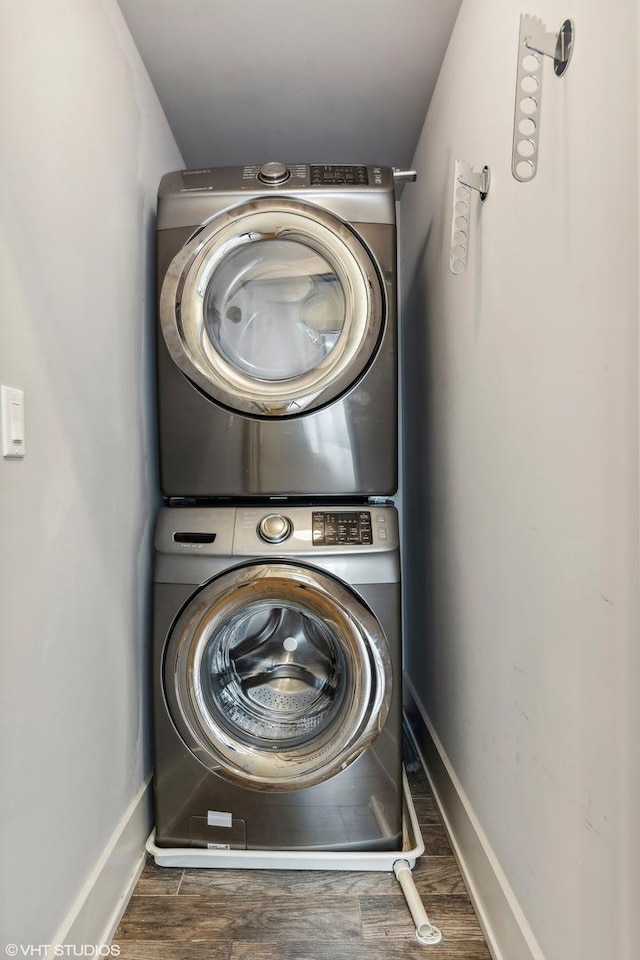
column 245, row 81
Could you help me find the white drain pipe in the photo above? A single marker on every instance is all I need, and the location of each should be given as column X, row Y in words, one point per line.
column 426, row 933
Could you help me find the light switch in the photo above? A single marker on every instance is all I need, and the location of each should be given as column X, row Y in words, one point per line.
column 13, row 435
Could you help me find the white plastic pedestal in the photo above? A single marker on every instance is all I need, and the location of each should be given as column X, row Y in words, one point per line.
column 400, row 862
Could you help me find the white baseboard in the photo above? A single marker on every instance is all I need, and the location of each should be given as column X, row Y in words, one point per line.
column 96, row 912
column 506, row 930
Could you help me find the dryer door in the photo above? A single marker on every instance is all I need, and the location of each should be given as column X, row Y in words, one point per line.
column 273, row 308
column 277, row 676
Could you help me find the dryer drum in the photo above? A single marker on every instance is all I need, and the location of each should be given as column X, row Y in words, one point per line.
column 274, row 308
column 277, row 676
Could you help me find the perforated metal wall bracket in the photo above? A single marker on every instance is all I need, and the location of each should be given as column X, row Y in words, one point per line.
column 534, row 43
column 477, row 181
column 464, row 181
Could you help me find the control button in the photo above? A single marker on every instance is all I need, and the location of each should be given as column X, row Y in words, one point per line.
column 274, row 528
column 382, row 534
column 274, row 173
column 381, row 518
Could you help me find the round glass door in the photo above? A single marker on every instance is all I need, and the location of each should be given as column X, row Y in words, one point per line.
column 274, row 308
column 277, row 676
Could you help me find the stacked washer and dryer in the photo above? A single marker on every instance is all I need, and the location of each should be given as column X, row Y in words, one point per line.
column 277, row 641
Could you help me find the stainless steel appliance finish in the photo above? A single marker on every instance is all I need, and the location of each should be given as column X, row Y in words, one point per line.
column 276, row 678
column 277, row 331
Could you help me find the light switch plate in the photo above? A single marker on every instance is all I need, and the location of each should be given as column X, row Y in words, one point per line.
column 13, row 432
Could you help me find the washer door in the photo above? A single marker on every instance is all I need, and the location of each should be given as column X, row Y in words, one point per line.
column 277, row 676
column 273, row 309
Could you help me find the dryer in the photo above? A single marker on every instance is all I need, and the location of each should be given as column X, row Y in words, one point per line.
column 277, row 701
column 276, row 347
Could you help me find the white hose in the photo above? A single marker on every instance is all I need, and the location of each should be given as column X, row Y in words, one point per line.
column 426, row 933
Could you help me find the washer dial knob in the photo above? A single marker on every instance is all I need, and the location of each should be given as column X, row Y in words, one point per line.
column 274, row 528
column 274, row 173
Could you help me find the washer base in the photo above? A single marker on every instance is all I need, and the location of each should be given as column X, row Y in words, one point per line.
column 382, row 861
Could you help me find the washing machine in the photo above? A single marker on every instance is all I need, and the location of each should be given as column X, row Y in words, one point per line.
column 276, row 656
column 276, row 347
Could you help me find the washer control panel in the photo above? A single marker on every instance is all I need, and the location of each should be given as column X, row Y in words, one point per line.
column 331, row 529
column 288, row 530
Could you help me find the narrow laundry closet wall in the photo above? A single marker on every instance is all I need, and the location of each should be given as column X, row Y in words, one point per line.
column 522, row 481
column 84, row 143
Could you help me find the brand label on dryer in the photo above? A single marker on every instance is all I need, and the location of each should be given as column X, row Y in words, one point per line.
column 196, row 180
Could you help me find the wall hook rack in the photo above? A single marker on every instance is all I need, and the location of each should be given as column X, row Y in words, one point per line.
column 558, row 46
column 534, row 43
column 465, row 179
column 477, row 181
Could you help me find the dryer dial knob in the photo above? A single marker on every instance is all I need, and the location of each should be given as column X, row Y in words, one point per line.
column 273, row 173
column 275, row 528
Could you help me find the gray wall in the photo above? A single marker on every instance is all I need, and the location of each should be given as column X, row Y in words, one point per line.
column 331, row 81
column 522, row 474
column 84, row 144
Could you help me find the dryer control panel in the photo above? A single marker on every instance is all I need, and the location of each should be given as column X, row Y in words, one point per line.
column 318, row 174
column 329, row 174
column 356, row 192
column 277, row 175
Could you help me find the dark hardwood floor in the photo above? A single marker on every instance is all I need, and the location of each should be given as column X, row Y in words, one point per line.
column 303, row 915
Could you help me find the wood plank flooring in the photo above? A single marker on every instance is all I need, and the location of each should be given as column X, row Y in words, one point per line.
column 303, row 915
